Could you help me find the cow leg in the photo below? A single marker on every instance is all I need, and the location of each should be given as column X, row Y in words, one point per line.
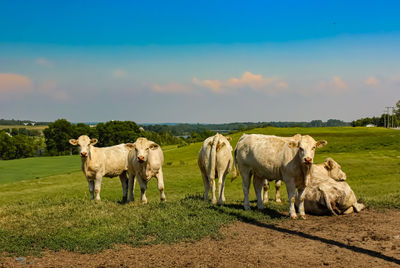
column 91, row 188
column 266, row 188
column 258, row 183
column 206, row 186
column 348, row 211
column 143, row 187
column 221, row 187
column 160, row 179
column 302, row 192
column 214, row 198
column 358, row 207
column 246, row 177
column 97, row 185
column 131, row 187
column 277, row 191
column 124, row 183
column 291, row 190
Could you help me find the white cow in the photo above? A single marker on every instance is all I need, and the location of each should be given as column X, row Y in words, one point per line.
column 326, row 196
column 145, row 161
column 215, row 160
column 329, row 168
column 103, row 162
column 279, row 158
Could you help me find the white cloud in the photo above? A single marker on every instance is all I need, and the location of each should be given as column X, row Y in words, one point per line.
column 256, row 82
column 371, row 81
column 172, row 88
column 43, row 62
column 119, row 73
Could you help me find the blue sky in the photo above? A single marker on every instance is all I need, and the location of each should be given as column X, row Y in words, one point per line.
column 198, row 61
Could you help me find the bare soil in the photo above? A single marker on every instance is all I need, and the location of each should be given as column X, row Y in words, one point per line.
column 368, row 239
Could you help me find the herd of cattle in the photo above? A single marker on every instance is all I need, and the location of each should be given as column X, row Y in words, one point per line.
column 321, row 188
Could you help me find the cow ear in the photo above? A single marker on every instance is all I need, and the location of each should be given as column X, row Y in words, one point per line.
column 293, row 144
column 228, row 138
column 154, row 146
column 130, row 146
column 93, row 141
column 321, row 143
column 329, row 162
column 73, row 142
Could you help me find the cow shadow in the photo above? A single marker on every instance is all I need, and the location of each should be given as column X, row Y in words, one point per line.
column 240, row 216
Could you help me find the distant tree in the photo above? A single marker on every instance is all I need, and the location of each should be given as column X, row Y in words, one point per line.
column 316, row 123
column 57, row 137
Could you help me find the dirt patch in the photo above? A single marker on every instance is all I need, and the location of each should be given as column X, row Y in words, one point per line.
column 367, row 239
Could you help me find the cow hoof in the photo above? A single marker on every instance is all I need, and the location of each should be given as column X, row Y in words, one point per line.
column 144, row 201
column 293, row 217
column 220, row 203
column 278, row 201
column 163, row 199
column 214, row 202
column 246, row 207
column 303, row 217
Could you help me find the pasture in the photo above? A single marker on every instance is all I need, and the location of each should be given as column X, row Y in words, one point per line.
column 44, row 202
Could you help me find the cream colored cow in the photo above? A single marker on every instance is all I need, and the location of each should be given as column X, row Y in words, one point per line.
column 329, row 168
column 215, row 160
column 290, row 160
column 325, row 196
column 145, row 161
column 103, row 162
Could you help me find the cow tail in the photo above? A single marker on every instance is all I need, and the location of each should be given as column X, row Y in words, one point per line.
column 235, row 169
column 213, row 157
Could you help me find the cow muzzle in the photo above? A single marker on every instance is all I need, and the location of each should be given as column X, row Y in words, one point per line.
column 141, row 158
column 308, row 161
column 84, row 154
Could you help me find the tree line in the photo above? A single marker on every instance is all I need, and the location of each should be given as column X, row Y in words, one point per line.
column 110, row 133
column 380, row 121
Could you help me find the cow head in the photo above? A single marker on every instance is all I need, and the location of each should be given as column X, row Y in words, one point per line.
column 84, row 143
column 142, row 147
column 334, row 170
column 306, row 148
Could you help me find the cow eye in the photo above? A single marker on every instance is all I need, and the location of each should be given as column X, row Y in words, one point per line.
column 147, row 149
column 301, row 149
column 313, row 148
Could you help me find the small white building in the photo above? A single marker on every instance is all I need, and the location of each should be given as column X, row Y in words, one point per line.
column 370, row 125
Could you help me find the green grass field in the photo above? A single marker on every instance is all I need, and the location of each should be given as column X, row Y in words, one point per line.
column 44, row 202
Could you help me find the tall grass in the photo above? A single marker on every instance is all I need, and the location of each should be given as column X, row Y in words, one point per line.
column 54, row 211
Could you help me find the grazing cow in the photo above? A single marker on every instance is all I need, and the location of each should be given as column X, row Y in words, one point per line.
column 215, row 160
column 325, row 196
column 330, row 168
column 145, row 161
column 290, row 160
column 103, row 162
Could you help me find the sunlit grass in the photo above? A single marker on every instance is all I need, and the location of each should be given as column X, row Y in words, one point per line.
column 47, row 205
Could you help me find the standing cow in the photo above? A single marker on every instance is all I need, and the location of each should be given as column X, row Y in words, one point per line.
column 329, row 168
column 103, row 162
column 272, row 157
column 145, row 161
column 215, row 160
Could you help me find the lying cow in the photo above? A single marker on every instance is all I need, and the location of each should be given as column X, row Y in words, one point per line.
column 329, row 168
column 103, row 162
column 145, row 161
column 290, row 160
column 215, row 160
column 325, row 196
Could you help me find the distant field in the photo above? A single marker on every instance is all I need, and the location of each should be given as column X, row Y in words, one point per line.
column 44, row 202
column 40, row 128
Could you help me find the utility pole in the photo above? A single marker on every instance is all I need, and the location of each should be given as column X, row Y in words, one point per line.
column 388, row 117
column 384, row 118
column 392, row 117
